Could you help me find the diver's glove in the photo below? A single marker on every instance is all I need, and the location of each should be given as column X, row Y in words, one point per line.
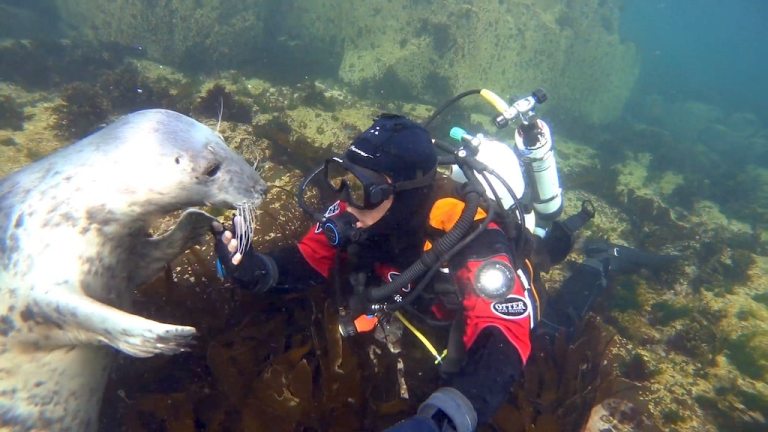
column 622, row 259
column 445, row 410
column 255, row 271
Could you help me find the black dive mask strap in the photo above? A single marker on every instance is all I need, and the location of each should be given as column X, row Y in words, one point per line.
column 418, row 182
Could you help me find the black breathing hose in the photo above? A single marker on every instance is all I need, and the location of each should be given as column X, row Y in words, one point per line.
column 447, row 256
column 318, row 217
column 448, row 103
column 434, row 255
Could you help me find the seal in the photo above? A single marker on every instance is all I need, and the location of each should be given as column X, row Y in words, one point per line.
column 74, row 247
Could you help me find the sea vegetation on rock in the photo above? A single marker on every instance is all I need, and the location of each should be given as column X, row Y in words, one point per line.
column 84, row 105
column 437, row 49
column 218, row 102
column 11, row 114
column 83, row 108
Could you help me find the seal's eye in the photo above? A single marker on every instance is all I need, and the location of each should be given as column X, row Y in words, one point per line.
column 213, row 169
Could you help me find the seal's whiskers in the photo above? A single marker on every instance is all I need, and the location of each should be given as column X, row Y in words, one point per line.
column 258, row 168
column 246, row 213
column 221, row 114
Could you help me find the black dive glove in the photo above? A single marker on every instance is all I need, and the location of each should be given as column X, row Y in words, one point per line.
column 255, row 271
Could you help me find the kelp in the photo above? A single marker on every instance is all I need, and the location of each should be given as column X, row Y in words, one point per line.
column 564, row 379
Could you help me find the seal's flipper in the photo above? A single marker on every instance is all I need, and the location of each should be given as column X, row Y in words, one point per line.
column 154, row 253
column 91, row 322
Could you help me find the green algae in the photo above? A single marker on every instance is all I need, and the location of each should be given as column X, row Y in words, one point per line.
column 437, row 48
column 11, row 113
column 747, row 352
column 666, row 312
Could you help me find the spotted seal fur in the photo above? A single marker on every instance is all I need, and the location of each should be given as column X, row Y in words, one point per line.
column 74, row 246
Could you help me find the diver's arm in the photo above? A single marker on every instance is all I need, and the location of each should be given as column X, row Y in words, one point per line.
column 492, row 366
column 496, row 343
column 294, row 271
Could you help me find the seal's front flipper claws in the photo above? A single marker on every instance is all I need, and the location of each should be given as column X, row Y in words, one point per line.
column 148, row 338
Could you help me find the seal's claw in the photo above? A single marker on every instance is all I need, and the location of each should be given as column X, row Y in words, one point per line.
column 158, row 339
column 217, row 227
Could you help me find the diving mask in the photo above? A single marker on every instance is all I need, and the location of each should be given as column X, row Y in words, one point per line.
column 359, row 187
column 363, row 188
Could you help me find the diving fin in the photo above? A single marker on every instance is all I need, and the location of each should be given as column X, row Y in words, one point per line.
column 624, row 259
column 578, row 293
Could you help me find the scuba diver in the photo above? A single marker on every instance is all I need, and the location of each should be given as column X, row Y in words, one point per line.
column 391, row 242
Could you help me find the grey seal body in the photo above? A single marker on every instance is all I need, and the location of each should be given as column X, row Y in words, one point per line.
column 74, row 246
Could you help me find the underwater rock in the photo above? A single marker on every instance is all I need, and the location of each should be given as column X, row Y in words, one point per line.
column 83, row 107
column 20, row 20
column 640, row 192
column 8, row 141
column 46, row 63
column 215, row 34
column 437, row 49
column 302, row 138
column 697, row 340
column 129, row 90
column 686, row 120
column 387, row 60
column 747, row 195
column 579, row 165
column 616, row 415
column 11, row 114
column 219, row 101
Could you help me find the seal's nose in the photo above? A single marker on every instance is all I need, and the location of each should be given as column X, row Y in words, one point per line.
column 261, row 189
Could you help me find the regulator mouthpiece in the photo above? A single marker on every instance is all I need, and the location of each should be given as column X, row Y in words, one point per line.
column 341, row 229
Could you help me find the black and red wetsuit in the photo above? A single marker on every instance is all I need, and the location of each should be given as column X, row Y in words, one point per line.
column 496, row 333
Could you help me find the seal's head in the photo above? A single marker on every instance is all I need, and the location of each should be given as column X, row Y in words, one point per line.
column 175, row 162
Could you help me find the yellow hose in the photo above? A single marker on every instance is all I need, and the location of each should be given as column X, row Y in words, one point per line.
column 422, row 338
column 494, row 100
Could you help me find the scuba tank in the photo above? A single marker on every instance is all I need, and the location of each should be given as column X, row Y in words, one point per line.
column 533, row 145
column 532, row 153
column 503, row 159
